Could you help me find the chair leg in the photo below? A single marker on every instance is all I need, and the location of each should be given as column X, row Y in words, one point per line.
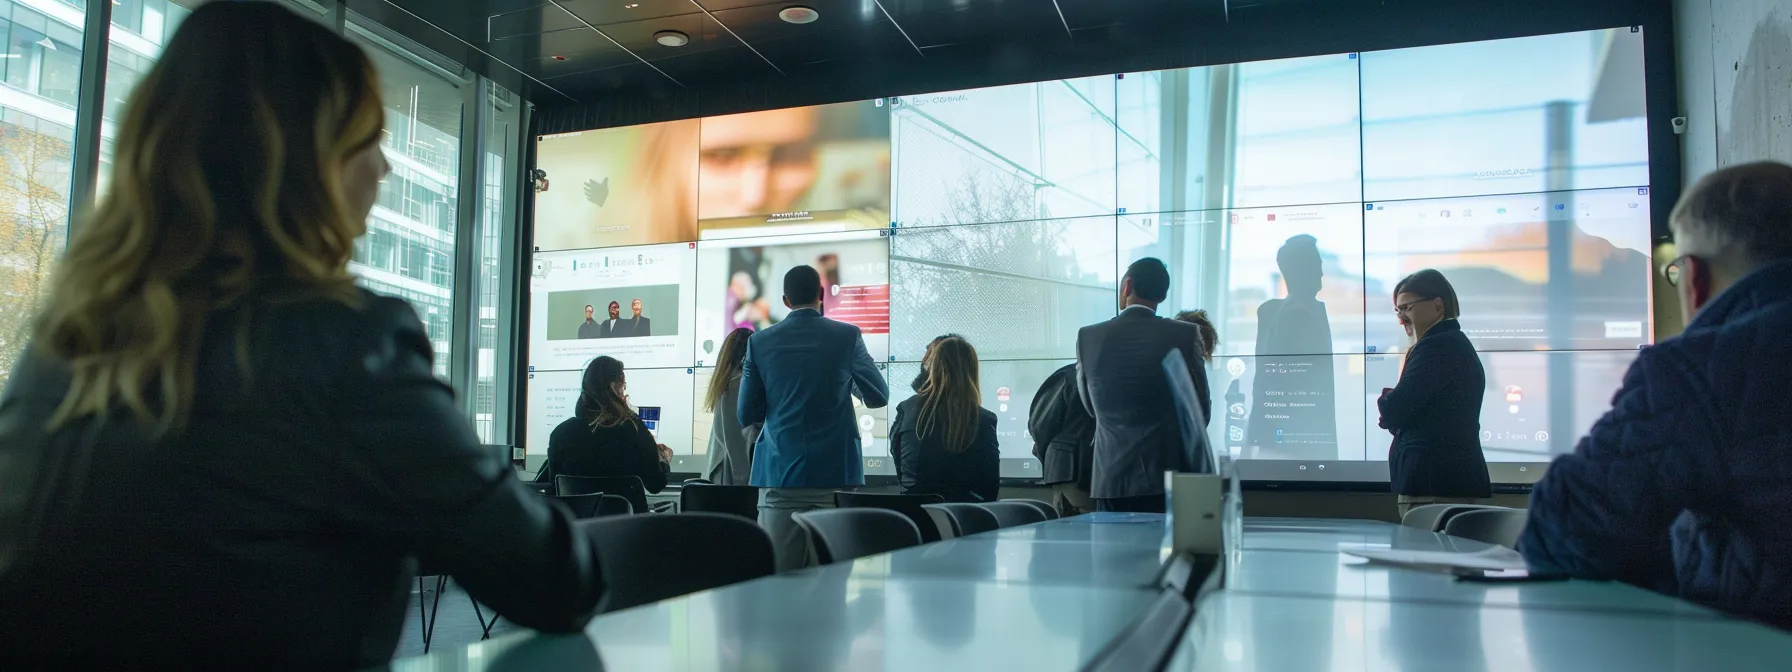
column 423, row 614
column 435, row 609
column 480, row 614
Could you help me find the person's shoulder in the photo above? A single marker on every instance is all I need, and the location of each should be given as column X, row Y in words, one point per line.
column 986, row 416
column 909, row 405
column 366, row 330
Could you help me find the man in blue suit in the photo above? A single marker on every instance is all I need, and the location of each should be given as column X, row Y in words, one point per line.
column 1685, row 487
column 798, row 379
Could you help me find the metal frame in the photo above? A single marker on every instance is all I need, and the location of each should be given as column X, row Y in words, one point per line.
column 90, row 108
column 469, row 197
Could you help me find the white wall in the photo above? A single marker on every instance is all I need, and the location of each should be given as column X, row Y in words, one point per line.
column 1735, row 67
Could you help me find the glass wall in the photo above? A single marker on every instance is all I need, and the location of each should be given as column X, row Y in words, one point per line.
column 497, row 226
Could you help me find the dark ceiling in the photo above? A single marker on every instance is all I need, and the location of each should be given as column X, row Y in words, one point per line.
column 592, row 63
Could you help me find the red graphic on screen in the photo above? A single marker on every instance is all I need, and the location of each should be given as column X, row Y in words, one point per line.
column 864, row 306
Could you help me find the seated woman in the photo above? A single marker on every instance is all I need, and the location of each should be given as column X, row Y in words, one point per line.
column 217, row 450
column 605, row 437
column 730, row 444
column 943, row 442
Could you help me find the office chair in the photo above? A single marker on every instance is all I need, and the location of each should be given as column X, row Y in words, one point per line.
column 1013, row 514
column 646, row 559
column 628, row 487
column 840, row 535
column 739, row 500
column 1433, row 517
column 1500, row 527
column 907, row 505
column 1051, row 512
column 963, row 519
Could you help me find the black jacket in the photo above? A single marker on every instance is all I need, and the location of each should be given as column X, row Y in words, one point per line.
column 578, row 449
column 282, row 528
column 1434, row 413
column 1063, row 431
column 923, row 466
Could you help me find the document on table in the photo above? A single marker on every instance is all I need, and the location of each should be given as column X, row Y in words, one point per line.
column 1496, row 558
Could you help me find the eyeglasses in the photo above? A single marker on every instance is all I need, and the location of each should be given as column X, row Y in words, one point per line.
column 1405, row 308
column 1672, row 270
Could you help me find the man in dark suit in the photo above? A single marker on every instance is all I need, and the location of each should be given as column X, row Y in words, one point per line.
column 613, row 327
column 637, row 326
column 590, row 328
column 798, row 378
column 1121, row 381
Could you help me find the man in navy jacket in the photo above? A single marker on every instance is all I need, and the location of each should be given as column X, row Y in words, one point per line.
column 1685, row 487
column 799, row 378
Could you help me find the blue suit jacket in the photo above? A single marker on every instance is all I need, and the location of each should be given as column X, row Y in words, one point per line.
column 1685, row 487
column 798, row 379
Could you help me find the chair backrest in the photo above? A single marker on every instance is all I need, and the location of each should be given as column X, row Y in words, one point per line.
column 965, row 519
column 839, row 535
column 907, row 505
column 1425, row 517
column 1013, row 514
column 543, row 488
column 646, row 559
column 614, row 505
column 738, row 500
column 1492, row 526
column 629, row 487
column 1051, row 512
column 583, row 506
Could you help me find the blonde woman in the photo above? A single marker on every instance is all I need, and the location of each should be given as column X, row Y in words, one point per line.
column 943, row 442
column 217, row 450
column 730, row 443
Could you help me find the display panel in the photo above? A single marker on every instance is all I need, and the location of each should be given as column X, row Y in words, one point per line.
column 1287, row 198
column 1008, row 388
column 554, row 395
column 1562, row 271
column 1274, row 281
column 1004, row 154
column 1537, row 404
column 741, row 284
column 1544, row 113
column 795, row 170
column 617, row 186
column 1015, row 290
column 629, row 303
column 1271, row 133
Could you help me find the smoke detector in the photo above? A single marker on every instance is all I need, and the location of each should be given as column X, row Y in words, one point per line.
column 798, row 14
column 671, row 38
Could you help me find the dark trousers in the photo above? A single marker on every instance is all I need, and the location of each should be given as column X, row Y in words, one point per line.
column 1144, row 504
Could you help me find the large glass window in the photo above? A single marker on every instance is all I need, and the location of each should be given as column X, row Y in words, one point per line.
column 140, row 28
column 40, row 71
column 497, row 214
column 409, row 249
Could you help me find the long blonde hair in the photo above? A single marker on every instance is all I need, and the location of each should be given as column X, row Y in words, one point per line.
column 729, row 359
column 951, row 401
column 225, row 193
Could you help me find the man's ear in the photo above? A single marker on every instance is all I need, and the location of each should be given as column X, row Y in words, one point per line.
column 787, row 303
column 1700, row 282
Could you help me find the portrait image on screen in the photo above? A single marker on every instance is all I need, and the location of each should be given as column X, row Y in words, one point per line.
column 795, row 170
column 554, row 397
column 741, row 284
column 631, row 303
column 617, row 186
column 1006, row 153
column 1015, row 290
column 1544, row 113
column 1562, row 271
column 1243, row 135
column 1274, row 281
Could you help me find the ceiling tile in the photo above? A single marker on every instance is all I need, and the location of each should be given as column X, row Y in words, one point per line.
column 638, row 36
column 606, row 12
column 584, row 85
column 532, row 21
column 939, row 22
column 844, row 32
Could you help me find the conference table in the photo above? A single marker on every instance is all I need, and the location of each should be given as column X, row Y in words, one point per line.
column 1051, row 596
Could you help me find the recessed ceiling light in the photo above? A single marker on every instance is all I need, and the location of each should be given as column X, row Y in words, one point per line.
column 671, row 38
column 798, row 14
column 631, row 5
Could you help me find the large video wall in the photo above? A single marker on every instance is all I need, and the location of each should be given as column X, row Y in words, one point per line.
column 1288, row 197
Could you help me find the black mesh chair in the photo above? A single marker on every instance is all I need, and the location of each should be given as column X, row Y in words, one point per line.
column 738, row 500
column 1013, row 514
column 964, row 519
column 841, row 535
column 1492, row 526
column 1051, row 512
column 907, row 505
column 627, row 487
column 646, row 559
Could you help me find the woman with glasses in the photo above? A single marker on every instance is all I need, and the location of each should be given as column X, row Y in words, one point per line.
column 1434, row 412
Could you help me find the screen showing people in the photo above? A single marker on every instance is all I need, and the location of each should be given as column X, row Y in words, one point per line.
column 1286, row 198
